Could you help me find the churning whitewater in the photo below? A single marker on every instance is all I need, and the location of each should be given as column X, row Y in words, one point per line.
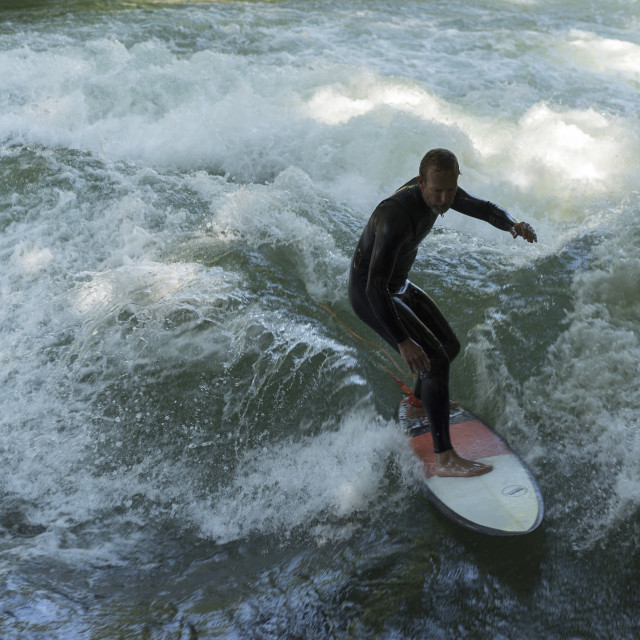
column 193, row 443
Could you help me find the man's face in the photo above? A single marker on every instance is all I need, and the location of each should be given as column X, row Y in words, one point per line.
column 439, row 189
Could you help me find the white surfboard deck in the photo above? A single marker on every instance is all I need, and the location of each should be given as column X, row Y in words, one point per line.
column 506, row 501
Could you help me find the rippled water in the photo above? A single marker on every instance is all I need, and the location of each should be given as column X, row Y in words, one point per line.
column 192, row 445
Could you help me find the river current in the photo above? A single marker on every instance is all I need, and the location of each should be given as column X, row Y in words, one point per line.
column 192, row 443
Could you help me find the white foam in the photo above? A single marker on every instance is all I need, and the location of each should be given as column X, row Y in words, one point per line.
column 312, row 481
column 605, row 54
column 288, row 215
column 337, row 105
column 354, row 130
column 31, row 260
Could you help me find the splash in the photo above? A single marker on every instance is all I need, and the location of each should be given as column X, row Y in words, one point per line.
column 311, row 483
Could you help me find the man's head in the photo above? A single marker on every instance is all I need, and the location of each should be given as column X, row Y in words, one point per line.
column 438, row 179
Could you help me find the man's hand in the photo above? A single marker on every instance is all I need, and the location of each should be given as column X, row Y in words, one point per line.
column 524, row 230
column 414, row 356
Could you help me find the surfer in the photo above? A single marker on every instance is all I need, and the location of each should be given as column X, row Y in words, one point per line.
column 404, row 315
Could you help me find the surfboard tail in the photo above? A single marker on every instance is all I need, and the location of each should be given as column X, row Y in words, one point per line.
column 505, row 502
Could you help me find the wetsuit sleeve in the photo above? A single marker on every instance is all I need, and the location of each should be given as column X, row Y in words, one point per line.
column 390, row 236
column 483, row 210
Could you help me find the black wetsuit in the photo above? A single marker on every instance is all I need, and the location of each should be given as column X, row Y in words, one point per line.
column 382, row 296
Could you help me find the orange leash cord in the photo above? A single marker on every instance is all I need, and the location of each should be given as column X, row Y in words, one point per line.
column 411, row 399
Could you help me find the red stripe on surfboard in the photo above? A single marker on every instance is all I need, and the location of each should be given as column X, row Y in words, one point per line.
column 470, row 439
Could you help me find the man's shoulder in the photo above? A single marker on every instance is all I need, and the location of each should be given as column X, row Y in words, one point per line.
column 410, row 183
column 407, row 196
column 396, row 216
column 407, row 189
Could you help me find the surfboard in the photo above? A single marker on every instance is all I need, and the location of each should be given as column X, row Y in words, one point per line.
column 504, row 502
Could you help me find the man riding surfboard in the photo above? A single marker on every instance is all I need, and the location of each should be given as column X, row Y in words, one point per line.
column 404, row 315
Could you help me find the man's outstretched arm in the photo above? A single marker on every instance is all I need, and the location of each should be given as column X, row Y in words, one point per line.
column 493, row 214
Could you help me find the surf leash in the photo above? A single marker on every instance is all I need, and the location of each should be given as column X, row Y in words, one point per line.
column 411, row 399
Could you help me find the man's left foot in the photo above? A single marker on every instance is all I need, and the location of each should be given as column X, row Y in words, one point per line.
column 449, row 464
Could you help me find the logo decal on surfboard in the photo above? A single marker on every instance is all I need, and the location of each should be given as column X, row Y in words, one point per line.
column 515, row 491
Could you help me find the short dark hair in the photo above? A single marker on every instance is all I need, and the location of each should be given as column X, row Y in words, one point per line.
column 439, row 160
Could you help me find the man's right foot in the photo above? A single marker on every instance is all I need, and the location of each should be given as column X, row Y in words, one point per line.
column 418, row 412
column 414, row 412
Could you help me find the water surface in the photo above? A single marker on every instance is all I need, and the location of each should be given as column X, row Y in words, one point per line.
column 191, row 445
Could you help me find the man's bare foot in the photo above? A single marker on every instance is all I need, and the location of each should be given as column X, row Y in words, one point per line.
column 450, row 465
column 418, row 412
column 414, row 412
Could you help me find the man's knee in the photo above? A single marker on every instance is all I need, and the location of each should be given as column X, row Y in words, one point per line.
column 439, row 361
column 452, row 348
